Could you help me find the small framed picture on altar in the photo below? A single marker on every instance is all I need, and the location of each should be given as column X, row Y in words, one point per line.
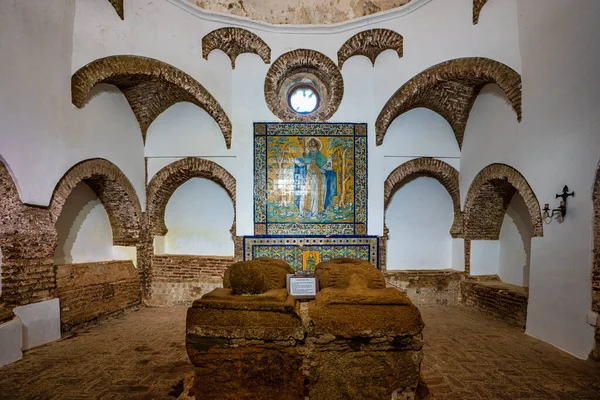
column 303, row 286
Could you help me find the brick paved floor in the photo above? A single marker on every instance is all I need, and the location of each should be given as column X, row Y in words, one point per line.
column 469, row 355
column 141, row 356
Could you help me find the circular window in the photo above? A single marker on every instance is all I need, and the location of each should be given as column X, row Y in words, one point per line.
column 303, row 99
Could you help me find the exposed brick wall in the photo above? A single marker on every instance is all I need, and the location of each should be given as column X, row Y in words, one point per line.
column 426, row 287
column 144, row 251
column 467, row 249
column 180, row 279
column 238, row 252
column 433, row 168
column 496, row 299
column 27, row 240
column 489, row 195
column 92, row 290
column 596, row 351
column 6, row 314
column 167, row 180
column 596, row 266
column 114, row 191
column 383, row 248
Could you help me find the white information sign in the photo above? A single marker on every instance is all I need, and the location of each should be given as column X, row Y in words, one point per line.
column 302, row 286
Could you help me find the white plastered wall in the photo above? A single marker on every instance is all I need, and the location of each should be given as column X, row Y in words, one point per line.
column 557, row 143
column 36, row 43
column 433, row 33
column 419, row 218
column 199, row 216
column 83, row 229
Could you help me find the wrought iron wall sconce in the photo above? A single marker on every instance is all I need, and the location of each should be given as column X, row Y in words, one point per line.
column 561, row 211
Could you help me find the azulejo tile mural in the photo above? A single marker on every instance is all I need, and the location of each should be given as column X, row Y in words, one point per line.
column 310, row 179
column 304, row 253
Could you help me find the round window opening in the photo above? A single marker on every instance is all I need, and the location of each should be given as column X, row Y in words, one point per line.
column 303, row 99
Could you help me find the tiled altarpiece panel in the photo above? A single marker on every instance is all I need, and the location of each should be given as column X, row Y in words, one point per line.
column 310, row 193
column 310, row 179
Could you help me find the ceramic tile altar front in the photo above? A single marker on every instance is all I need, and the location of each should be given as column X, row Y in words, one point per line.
column 310, row 194
column 310, row 179
column 299, row 252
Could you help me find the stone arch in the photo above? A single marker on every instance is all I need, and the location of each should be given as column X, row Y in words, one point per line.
column 27, row 239
column 450, row 89
column 371, row 43
column 488, row 198
column 233, row 42
column 444, row 173
column 596, row 265
column 150, row 86
column 167, row 180
column 115, row 192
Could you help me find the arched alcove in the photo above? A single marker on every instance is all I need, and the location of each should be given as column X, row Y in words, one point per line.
column 115, row 192
column 167, row 180
column 488, row 198
column 187, row 200
column 93, row 207
column 199, row 216
column 427, row 212
column 419, row 216
column 83, row 229
column 514, row 247
column 501, row 216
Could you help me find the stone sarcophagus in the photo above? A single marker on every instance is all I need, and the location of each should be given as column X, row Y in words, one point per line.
column 242, row 339
column 364, row 339
column 356, row 340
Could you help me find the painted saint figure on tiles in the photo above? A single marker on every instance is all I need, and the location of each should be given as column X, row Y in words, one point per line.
column 315, row 181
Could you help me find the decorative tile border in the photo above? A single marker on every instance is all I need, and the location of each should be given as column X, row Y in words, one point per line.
column 291, row 248
column 262, row 226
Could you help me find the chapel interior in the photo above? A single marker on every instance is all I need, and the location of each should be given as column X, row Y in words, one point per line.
column 300, row 199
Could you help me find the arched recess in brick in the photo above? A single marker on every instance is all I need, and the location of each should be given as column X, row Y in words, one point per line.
column 167, row 180
column 150, row 87
column 27, row 240
column 433, row 168
column 450, row 89
column 488, row 198
column 596, row 265
column 115, row 192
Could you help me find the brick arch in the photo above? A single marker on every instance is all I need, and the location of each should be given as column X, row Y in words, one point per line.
column 450, row 89
column 444, row 173
column 167, row 180
column 488, row 198
column 596, row 264
column 150, row 87
column 115, row 192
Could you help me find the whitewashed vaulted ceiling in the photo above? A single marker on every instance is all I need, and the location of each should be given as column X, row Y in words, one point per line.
column 299, row 11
